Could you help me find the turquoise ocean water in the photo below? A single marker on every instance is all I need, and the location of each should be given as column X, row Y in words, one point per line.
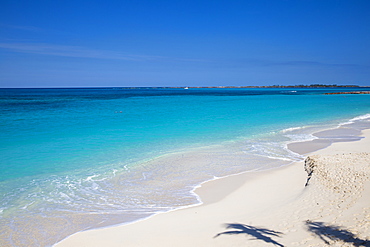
column 75, row 159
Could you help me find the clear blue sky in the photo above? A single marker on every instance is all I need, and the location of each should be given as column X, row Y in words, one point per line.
column 63, row 43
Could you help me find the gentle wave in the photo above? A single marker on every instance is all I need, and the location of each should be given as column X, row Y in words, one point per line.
column 356, row 119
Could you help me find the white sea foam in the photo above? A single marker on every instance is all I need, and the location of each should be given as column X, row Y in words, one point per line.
column 362, row 117
column 27, row 205
column 271, row 149
column 292, row 129
column 89, row 178
column 301, row 137
column 365, row 117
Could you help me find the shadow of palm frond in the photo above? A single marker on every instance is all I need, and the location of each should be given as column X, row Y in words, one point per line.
column 328, row 232
column 258, row 233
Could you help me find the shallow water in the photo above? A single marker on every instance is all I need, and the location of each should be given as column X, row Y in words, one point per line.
column 73, row 159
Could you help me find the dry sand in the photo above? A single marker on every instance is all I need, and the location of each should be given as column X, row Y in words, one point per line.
column 269, row 208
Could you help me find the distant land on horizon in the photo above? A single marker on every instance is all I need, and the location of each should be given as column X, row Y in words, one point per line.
column 195, row 87
column 272, row 86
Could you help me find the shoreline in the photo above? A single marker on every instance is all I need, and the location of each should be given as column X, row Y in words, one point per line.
column 305, row 148
column 219, row 197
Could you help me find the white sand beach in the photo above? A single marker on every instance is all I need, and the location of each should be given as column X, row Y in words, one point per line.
column 279, row 207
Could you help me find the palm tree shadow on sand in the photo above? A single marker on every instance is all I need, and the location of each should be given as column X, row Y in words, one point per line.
column 258, row 233
column 334, row 233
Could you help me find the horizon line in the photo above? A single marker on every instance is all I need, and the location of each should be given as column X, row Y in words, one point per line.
column 194, row 87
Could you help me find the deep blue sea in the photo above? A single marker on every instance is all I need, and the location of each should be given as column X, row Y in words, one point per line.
column 74, row 159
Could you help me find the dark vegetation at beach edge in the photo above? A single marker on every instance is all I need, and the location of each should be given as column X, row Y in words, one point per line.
column 272, row 86
column 355, row 92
